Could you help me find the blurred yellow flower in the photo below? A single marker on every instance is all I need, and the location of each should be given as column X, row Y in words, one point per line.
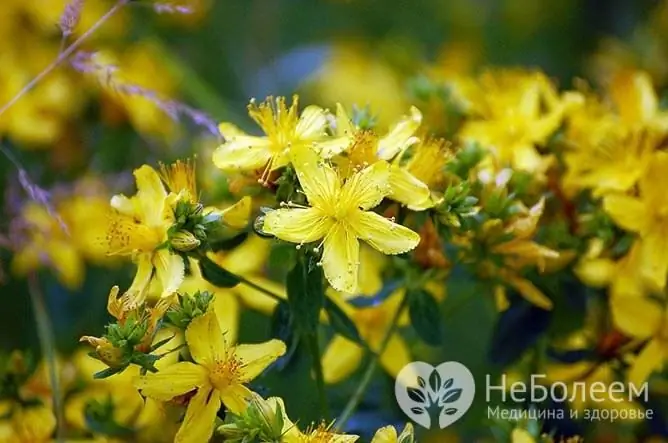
column 246, row 260
column 217, row 377
column 342, row 356
column 340, row 215
column 646, row 216
column 512, row 113
column 339, row 80
column 647, row 320
column 48, row 243
column 33, row 424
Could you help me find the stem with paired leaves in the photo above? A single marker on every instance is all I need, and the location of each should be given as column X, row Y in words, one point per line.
column 374, row 359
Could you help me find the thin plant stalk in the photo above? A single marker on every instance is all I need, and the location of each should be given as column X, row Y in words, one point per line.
column 46, row 336
column 374, row 360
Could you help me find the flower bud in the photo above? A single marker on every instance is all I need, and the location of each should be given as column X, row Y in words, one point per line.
column 184, row 241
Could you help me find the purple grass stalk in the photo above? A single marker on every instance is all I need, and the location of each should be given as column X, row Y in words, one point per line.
column 84, row 62
column 165, row 8
column 35, row 192
column 70, row 17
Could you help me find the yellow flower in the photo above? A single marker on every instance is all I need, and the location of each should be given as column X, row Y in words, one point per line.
column 246, row 260
column 636, row 101
column 284, row 130
column 218, row 376
column 342, row 356
column 647, row 320
column 364, row 147
column 138, row 227
column 512, row 113
column 388, row 434
column 646, row 215
column 603, row 153
column 141, row 64
column 318, row 434
column 514, row 244
column 338, row 80
column 28, row 425
column 50, row 244
column 340, row 215
column 180, row 176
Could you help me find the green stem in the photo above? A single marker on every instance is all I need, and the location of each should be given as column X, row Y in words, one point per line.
column 374, row 360
column 257, row 287
column 46, row 339
column 314, row 349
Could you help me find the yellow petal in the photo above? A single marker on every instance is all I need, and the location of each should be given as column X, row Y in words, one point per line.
column 627, row 212
column 521, row 436
column 249, row 257
column 367, row 188
column 595, row 272
column 318, row 180
column 311, row 123
column 140, row 284
column 330, row 147
column 68, row 264
column 396, row 355
column 654, row 257
column 531, row 293
column 407, row 189
column 400, row 136
column 650, row 359
column 341, row 358
column 25, row 260
column 237, row 215
column 177, row 379
column 340, row 258
column 344, row 126
column 226, row 307
column 170, row 271
column 297, row 225
column 385, row 435
column 407, row 434
column 633, row 93
column 382, row 234
column 258, row 300
column 198, row 423
column 151, row 194
column 639, row 317
column 236, row 398
column 256, row 357
column 206, row 341
column 241, row 151
column 654, row 181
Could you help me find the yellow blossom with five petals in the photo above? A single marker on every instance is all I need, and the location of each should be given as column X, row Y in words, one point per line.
column 218, row 376
column 340, row 215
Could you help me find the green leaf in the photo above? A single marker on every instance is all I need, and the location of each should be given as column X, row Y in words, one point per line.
column 426, row 317
column 306, row 293
column 108, row 372
column 341, row 323
column 282, row 328
column 216, row 275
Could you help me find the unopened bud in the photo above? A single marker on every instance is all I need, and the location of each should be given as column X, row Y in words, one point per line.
column 184, row 241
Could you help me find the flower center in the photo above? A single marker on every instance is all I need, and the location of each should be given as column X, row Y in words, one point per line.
column 225, row 373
